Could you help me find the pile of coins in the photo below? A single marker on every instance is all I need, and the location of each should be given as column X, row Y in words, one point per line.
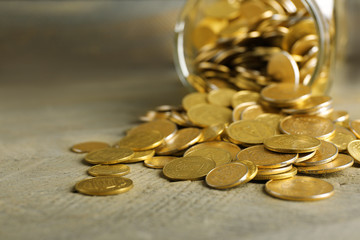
column 229, row 138
column 250, row 44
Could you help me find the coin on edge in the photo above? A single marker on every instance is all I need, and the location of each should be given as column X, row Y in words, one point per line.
column 109, row 170
column 188, row 168
column 354, row 150
column 292, row 143
column 300, row 188
column 86, row 147
column 109, row 156
column 227, row 176
column 104, row 185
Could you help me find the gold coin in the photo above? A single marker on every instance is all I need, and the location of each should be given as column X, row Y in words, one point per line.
column 264, row 158
column 305, row 156
column 298, row 31
column 165, row 127
column 249, row 132
column 292, row 143
column 300, row 188
column 284, row 175
column 252, row 170
column 188, row 168
column 221, row 97
column 197, row 83
column 205, row 115
column 243, row 97
column 109, row 156
column 140, row 156
column 104, row 185
column 354, row 150
column 311, row 105
column 109, row 170
column 212, row 133
column 271, row 119
column 183, row 139
column 206, row 31
column 218, row 155
column 86, row 147
column 338, row 116
column 228, row 146
column 342, row 138
column 271, row 171
column 303, row 45
column 326, row 153
column 283, row 68
column 252, row 112
column 314, row 126
column 236, row 115
column 340, row 163
column 220, row 9
column 159, row 161
column 227, row 176
column 193, row 99
column 355, row 127
column 141, row 141
column 285, row 94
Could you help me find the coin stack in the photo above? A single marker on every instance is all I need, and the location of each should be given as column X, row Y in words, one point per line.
column 250, row 44
column 230, row 137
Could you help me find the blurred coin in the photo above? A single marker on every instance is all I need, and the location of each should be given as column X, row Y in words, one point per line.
column 109, row 170
column 86, row 147
column 104, row 185
column 109, row 155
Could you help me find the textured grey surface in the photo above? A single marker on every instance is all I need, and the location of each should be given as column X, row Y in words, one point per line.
column 50, row 101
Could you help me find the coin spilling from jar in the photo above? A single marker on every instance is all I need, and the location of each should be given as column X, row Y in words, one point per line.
column 228, row 138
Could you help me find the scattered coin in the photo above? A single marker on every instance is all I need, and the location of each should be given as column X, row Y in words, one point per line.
column 104, row 185
column 291, row 173
column 140, row 156
column 206, row 115
column 218, row 155
column 338, row 164
column 142, row 140
column 109, row 156
column 109, row 170
column 86, row 147
column 354, row 150
column 159, row 161
column 300, row 188
column 326, row 153
column 227, row 176
column 342, row 138
column 292, row 143
column 165, row 127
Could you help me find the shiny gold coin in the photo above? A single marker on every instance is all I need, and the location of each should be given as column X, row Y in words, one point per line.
column 283, row 68
column 193, row 99
column 109, row 170
column 326, row 153
column 300, row 188
column 227, row 176
column 236, row 115
column 221, row 97
column 230, row 147
column 283, row 175
column 292, row 143
column 314, row 126
column 271, row 119
column 243, row 97
column 354, row 150
column 212, row 133
column 205, row 115
column 86, row 147
column 183, row 139
column 159, row 161
column 264, row 158
column 188, row 168
column 305, row 156
column 252, row 170
column 165, row 127
column 311, row 105
column 109, row 156
column 342, row 138
column 140, row 156
column 303, row 45
column 298, row 31
column 218, row 155
column 355, row 127
column 104, row 185
column 141, row 141
column 249, row 132
column 340, row 163
column 285, row 94
column 252, row 112
column 338, row 116
column 271, row 171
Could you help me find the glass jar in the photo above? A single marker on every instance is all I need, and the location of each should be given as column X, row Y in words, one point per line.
column 248, row 44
